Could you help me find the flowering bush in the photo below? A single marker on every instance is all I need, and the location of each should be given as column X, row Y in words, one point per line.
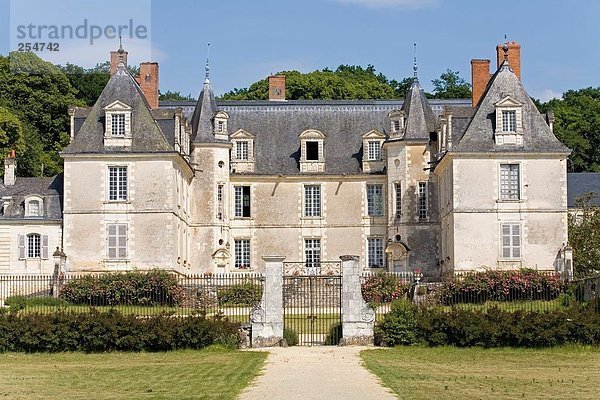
column 383, row 288
column 149, row 288
column 524, row 284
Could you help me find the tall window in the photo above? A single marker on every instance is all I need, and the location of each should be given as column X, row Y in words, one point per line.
column 509, row 121
column 118, row 124
column 220, row 201
column 312, row 201
column 509, row 182
column 242, row 201
column 396, row 124
column 375, row 200
column 220, row 126
column 375, row 253
column 374, row 150
column 34, row 245
column 312, row 150
column 398, row 190
column 117, row 241
column 241, row 150
column 242, row 253
column 422, row 201
column 312, row 255
column 117, row 183
column 511, row 241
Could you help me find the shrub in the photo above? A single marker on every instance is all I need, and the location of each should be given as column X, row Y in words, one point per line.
column 383, row 288
column 110, row 331
column 290, row 336
column 148, row 288
column 479, row 287
column 246, row 294
column 334, row 335
column 399, row 326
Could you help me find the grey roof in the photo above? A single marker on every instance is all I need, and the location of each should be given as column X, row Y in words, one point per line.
column 49, row 189
column 202, row 119
column 420, row 120
column 146, row 135
column 581, row 183
column 479, row 136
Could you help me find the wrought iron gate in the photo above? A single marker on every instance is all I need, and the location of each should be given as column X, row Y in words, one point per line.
column 312, row 307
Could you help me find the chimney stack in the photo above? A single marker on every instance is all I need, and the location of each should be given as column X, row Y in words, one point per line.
column 114, row 60
column 10, row 167
column 480, row 76
column 277, row 88
column 514, row 57
column 148, row 80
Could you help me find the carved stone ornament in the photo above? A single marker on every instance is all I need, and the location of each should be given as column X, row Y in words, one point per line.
column 257, row 315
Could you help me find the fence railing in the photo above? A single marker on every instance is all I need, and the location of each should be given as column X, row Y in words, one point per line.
column 231, row 295
column 305, row 268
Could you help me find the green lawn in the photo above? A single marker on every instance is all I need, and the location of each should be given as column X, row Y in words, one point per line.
column 475, row 373
column 204, row 374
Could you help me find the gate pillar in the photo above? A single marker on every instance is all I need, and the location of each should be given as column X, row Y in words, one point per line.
column 267, row 318
column 358, row 318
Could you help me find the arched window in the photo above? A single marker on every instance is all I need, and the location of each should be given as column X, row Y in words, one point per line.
column 34, row 207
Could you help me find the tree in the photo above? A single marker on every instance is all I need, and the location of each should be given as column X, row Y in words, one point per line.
column 584, row 235
column 88, row 83
column 169, row 95
column 451, row 86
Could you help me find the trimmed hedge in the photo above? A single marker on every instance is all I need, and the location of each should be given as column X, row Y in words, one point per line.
column 147, row 288
column 242, row 294
column 383, row 288
column 479, row 287
column 406, row 325
column 111, row 331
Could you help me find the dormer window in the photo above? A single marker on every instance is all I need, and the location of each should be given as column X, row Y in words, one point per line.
column 220, row 125
column 372, row 154
column 118, row 124
column 312, row 151
column 242, row 152
column 34, row 207
column 397, row 122
column 509, row 122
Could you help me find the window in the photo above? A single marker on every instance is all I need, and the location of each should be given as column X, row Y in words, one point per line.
column 220, row 126
column 312, row 201
column 117, row 183
column 312, row 151
column 375, row 200
column 509, row 121
column 242, row 253
column 511, row 241
column 33, row 245
column 509, row 182
column 117, row 241
column 34, row 208
column 118, row 124
column 396, row 125
column 312, row 255
column 375, row 253
column 398, row 187
column 374, row 150
column 422, row 201
column 220, row 202
column 242, row 201
column 241, row 150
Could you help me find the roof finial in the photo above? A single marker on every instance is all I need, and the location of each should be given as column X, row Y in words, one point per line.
column 415, row 60
column 207, row 67
column 505, row 48
column 120, row 51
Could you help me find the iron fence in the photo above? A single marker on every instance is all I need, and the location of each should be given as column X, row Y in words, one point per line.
column 303, row 268
column 231, row 295
column 381, row 288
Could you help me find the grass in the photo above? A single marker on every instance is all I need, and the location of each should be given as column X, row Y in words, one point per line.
column 316, row 323
column 475, row 373
column 205, row 374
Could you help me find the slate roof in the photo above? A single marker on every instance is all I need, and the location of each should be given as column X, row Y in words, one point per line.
column 202, row 119
column 420, row 120
column 580, row 183
column 146, row 134
column 479, row 136
column 49, row 189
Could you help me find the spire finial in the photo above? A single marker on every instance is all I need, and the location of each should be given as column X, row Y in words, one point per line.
column 505, row 48
column 121, row 51
column 207, row 67
column 415, row 60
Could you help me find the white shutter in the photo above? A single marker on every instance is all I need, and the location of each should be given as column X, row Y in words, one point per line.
column 112, row 241
column 21, row 247
column 44, row 247
column 122, row 240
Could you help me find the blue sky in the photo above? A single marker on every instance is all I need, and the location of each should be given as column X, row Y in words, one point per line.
column 251, row 39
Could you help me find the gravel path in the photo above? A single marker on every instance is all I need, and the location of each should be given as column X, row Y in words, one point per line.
column 315, row 373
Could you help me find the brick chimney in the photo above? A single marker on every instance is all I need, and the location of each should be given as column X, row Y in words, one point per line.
column 277, row 88
column 114, row 60
column 10, row 168
column 148, row 80
column 480, row 76
column 514, row 57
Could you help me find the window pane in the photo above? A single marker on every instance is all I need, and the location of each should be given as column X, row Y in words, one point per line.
column 312, row 201
column 312, row 151
column 375, row 200
column 33, row 245
column 118, row 124
column 312, row 255
column 242, row 253
column 117, row 183
column 509, row 121
column 398, row 187
column 422, row 201
column 375, row 253
column 509, row 182
column 374, row 150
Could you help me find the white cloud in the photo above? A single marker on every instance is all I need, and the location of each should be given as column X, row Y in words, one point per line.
column 547, row 94
column 409, row 4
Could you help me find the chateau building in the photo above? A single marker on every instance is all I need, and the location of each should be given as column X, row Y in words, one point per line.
column 212, row 186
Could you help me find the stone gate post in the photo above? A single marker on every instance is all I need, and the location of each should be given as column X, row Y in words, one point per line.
column 358, row 318
column 267, row 318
